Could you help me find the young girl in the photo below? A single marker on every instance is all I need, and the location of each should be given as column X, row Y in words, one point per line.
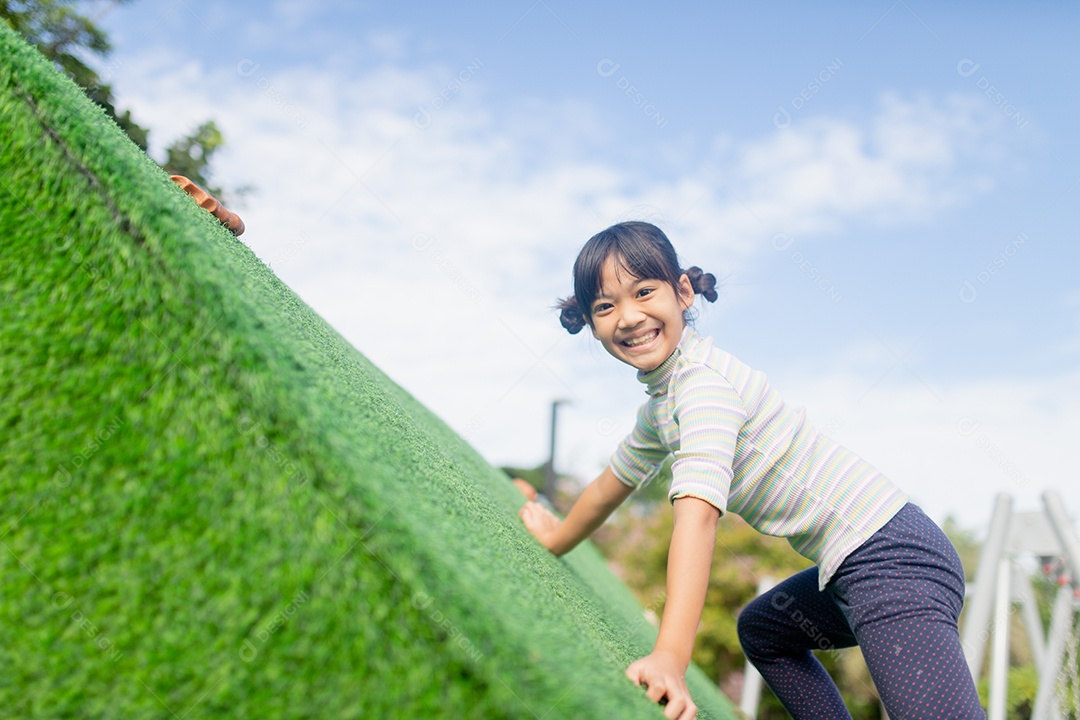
column 885, row 578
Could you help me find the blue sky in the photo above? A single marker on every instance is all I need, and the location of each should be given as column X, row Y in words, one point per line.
column 889, row 191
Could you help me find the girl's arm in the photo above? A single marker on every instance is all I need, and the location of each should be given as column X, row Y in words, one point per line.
column 689, row 562
column 599, row 500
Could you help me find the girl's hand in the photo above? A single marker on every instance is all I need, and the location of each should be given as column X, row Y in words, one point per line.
column 664, row 677
column 541, row 522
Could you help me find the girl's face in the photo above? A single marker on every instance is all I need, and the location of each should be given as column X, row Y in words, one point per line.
column 639, row 321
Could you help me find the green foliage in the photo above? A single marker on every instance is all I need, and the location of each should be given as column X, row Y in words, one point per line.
column 190, row 156
column 217, row 508
column 966, row 543
column 1023, row 686
column 58, row 31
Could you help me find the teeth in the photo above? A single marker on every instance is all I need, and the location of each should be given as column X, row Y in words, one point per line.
column 641, row 340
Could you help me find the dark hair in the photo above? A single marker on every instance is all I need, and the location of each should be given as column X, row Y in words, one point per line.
column 640, row 248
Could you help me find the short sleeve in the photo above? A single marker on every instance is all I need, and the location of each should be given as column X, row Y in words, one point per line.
column 709, row 413
column 639, row 456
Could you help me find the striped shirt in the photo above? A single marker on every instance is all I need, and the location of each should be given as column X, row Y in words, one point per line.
column 739, row 447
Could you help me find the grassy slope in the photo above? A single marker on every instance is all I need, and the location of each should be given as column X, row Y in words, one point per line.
column 216, row 507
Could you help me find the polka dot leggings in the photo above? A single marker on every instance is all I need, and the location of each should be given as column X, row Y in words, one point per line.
column 898, row 597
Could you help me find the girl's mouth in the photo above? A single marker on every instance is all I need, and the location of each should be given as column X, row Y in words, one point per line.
column 642, row 340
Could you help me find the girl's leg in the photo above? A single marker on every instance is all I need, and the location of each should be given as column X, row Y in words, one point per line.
column 778, row 630
column 902, row 592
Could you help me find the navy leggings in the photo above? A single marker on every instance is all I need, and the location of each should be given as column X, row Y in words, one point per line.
column 898, row 597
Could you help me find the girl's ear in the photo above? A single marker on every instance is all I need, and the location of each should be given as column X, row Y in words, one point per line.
column 686, row 292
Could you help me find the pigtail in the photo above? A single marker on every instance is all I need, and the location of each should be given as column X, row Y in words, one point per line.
column 704, row 283
column 571, row 316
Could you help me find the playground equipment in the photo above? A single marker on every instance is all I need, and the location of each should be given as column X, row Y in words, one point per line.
column 1002, row 581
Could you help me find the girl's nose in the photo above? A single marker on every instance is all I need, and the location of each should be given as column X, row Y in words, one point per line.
column 630, row 316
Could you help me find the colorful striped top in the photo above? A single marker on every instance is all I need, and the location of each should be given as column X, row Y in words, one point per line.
column 739, row 447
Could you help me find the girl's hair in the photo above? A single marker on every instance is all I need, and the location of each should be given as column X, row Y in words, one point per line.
column 640, row 248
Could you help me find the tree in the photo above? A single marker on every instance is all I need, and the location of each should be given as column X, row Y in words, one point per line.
column 62, row 35
column 190, row 156
column 65, row 36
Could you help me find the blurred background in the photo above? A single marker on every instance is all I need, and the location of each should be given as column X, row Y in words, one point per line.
column 887, row 190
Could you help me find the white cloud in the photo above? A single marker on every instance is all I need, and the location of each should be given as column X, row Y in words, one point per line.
column 437, row 245
column 911, row 159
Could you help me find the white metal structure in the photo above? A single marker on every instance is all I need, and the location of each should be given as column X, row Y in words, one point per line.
column 1001, row 583
column 751, row 692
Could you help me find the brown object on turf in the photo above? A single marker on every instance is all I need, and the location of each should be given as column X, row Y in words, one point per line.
column 208, row 202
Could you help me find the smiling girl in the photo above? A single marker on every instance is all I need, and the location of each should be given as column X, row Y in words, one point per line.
column 885, row 577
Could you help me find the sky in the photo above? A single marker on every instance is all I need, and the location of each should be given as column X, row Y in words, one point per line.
column 888, row 192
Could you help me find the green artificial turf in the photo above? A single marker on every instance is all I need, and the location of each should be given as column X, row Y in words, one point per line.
column 215, row 507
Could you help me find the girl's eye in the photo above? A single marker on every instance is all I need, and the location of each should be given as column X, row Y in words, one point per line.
column 601, row 307
column 644, row 291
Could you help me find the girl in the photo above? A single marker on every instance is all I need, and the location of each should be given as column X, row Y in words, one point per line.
column 885, row 578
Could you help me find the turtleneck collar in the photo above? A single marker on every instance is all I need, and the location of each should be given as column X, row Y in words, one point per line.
column 656, row 380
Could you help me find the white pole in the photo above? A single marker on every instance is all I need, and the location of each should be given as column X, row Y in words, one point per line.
column 999, row 659
column 751, row 688
column 976, row 623
column 1035, row 631
column 1060, row 623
